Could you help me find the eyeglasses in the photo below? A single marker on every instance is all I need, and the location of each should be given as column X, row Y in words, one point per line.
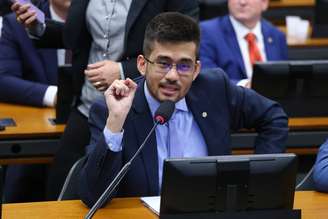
column 164, row 66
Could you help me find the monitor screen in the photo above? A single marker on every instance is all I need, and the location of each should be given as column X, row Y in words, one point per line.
column 228, row 183
column 320, row 22
column 299, row 86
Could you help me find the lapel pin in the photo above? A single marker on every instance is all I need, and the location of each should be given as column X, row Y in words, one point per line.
column 270, row 40
column 204, row 114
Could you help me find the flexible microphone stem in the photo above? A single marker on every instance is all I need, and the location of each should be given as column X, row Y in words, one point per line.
column 116, row 181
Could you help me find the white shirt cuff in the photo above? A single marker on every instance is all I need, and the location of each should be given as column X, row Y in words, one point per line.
column 121, row 71
column 113, row 140
column 50, row 96
column 243, row 82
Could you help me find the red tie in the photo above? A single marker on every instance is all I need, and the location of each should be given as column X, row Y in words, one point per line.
column 254, row 52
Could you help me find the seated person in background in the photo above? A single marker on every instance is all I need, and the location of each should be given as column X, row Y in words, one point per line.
column 207, row 107
column 28, row 76
column 236, row 41
column 320, row 174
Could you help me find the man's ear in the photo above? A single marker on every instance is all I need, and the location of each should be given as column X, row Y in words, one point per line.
column 141, row 64
column 197, row 70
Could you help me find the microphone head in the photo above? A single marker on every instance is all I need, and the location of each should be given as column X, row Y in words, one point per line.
column 164, row 111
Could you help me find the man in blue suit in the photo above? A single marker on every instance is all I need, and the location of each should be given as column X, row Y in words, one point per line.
column 28, row 75
column 207, row 107
column 320, row 174
column 224, row 43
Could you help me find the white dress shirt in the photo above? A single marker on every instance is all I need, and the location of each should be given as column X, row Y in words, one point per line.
column 241, row 31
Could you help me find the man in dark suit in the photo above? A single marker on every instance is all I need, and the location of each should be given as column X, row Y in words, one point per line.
column 105, row 42
column 207, row 107
column 224, row 43
column 28, row 75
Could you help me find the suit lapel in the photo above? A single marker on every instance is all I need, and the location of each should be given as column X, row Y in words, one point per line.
column 268, row 41
column 206, row 118
column 231, row 38
column 143, row 123
column 137, row 6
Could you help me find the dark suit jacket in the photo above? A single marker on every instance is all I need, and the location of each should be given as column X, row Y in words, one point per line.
column 76, row 36
column 229, row 107
column 25, row 72
column 219, row 46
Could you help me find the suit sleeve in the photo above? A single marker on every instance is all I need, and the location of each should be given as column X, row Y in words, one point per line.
column 101, row 165
column 13, row 88
column 251, row 110
column 320, row 174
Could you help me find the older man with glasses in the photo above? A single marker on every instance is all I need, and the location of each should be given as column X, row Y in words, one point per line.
column 207, row 107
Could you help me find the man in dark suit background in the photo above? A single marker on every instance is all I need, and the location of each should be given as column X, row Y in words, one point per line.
column 207, row 107
column 105, row 42
column 235, row 41
column 28, row 75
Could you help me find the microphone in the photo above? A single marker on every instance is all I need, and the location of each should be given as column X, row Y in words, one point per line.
column 164, row 112
column 162, row 115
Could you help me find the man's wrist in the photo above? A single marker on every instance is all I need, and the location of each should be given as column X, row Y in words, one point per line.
column 115, row 122
column 122, row 76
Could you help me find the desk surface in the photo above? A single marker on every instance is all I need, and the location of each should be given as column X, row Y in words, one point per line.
column 30, row 121
column 34, row 121
column 291, row 3
column 313, row 205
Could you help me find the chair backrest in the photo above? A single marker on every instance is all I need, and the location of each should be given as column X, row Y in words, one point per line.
column 69, row 190
column 307, row 182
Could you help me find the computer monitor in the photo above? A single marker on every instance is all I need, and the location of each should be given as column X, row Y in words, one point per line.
column 299, row 86
column 320, row 22
column 242, row 183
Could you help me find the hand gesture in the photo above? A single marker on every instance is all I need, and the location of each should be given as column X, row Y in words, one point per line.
column 102, row 74
column 24, row 15
column 119, row 97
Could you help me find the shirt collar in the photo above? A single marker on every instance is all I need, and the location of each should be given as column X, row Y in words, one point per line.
column 54, row 15
column 154, row 104
column 241, row 30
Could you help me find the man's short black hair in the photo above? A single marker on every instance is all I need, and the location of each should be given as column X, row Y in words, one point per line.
column 171, row 27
